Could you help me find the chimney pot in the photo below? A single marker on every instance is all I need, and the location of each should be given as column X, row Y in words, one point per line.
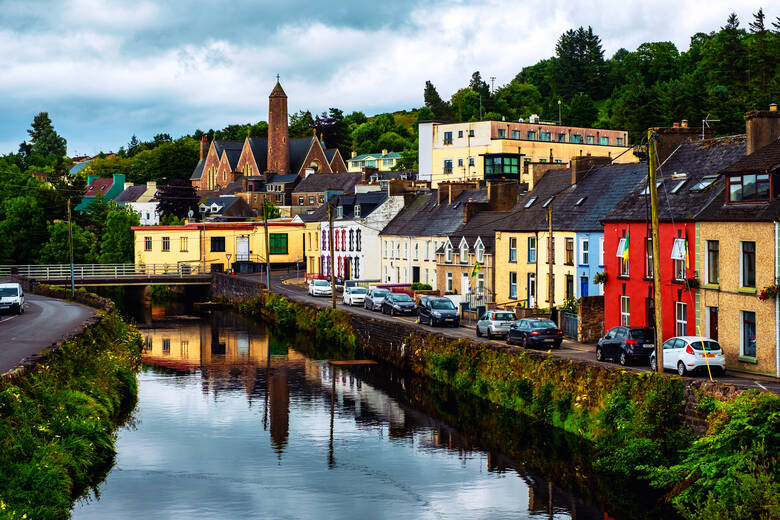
column 384, row 151
column 675, row 125
column 685, row 123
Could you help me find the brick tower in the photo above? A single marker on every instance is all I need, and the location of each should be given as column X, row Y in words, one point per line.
column 278, row 135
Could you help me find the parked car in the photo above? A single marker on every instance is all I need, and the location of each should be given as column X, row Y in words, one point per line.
column 320, row 288
column 495, row 323
column 398, row 303
column 374, row 298
column 354, row 296
column 436, row 310
column 626, row 345
column 535, row 332
column 11, row 298
column 688, row 353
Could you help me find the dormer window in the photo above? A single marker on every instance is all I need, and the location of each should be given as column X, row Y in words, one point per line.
column 448, row 253
column 340, row 212
column 480, row 252
column 270, row 187
column 749, row 188
column 464, row 252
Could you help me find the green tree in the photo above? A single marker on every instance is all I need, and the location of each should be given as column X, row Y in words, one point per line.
column 270, row 209
column 177, row 198
column 391, row 141
column 433, row 101
column 581, row 111
column 301, row 124
column 23, row 228
column 56, row 249
column 118, row 242
column 44, row 140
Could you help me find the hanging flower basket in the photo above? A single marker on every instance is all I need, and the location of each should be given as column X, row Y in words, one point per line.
column 770, row 291
column 691, row 283
column 600, row 278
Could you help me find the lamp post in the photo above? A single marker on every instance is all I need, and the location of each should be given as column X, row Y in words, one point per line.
column 70, row 248
column 560, row 121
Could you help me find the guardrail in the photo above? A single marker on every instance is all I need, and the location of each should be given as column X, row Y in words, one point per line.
column 103, row 271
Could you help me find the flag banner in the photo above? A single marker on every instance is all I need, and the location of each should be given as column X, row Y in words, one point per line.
column 477, row 267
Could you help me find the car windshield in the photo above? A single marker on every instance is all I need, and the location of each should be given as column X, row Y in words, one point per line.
column 708, row 345
column 643, row 335
column 8, row 291
column 543, row 324
column 380, row 292
column 401, row 297
column 320, row 282
column 358, row 290
column 505, row 316
column 442, row 305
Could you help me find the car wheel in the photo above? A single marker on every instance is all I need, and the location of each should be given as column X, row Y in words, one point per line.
column 418, row 320
column 681, row 368
column 479, row 333
column 653, row 365
column 622, row 360
column 599, row 354
column 525, row 341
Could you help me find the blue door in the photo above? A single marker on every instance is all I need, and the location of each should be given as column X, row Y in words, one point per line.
column 583, row 285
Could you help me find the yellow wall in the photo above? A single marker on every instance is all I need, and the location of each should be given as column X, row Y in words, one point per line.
column 380, row 165
column 730, row 299
column 313, row 242
column 199, row 243
column 540, row 268
column 458, row 270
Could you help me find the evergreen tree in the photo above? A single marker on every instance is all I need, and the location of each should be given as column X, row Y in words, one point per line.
column 118, row 241
column 177, row 198
column 44, row 140
column 434, row 102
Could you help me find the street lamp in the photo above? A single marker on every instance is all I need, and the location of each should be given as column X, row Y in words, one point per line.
column 559, row 113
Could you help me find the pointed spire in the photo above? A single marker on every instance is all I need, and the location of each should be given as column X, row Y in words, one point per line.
column 278, row 91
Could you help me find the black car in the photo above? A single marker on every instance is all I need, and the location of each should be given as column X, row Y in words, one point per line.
column 437, row 310
column 398, row 303
column 626, row 345
column 535, row 332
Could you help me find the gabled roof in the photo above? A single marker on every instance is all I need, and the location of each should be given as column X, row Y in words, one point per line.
column 284, row 179
column 259, row 148
column 319, row 182
column 222, row 202
column 221, row 146
column 368, row 202
column 688, row 165
column 197, row 173
column 232, row 156
column 131, row 194
column 299, row 149
column 388, row 155
column 423, row 216
column 763, row 160
column 530, row 212
column 330, row 153
column 278, row 91
column 99, row 185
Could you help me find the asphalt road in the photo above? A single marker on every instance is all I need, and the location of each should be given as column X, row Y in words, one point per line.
column 569, row 349
column 45, row 321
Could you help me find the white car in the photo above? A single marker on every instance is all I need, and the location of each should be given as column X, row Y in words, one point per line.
column 11, row 298
column 320, row 288
column 354, row 296
column 687, row 353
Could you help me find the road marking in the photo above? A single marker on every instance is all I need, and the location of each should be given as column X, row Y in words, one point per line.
column 9, row 318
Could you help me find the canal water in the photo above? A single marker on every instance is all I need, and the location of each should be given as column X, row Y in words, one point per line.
column 234, row 422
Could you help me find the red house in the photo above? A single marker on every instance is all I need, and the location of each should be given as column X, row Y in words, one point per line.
column 684, row 179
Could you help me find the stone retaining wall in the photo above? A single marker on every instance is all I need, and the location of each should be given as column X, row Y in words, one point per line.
column 590, row 319
column 234, row 287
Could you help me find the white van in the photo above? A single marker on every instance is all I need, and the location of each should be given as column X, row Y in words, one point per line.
column 11, row 298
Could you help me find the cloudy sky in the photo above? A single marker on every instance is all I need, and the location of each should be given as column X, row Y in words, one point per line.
column 105, row 70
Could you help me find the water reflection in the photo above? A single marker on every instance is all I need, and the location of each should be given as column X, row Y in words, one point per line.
column 233, row 423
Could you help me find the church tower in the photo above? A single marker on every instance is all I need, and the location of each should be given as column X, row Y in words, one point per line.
column 278, row 134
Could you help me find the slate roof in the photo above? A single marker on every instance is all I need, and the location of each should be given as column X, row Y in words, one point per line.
column 423, row 216
column 299, row 148
column 234, row 152
column 197, row 173
column 368, row 203
column 223, row 202
column 330, row 153
column 319, row 182
column 554, row 183
column 259, row 147
column 131, row 194
column 232, row 188
column 763, row 160
column 232, row 156
column 388, row 155
column 283, row 179
column 688, row 165
column 278, row 91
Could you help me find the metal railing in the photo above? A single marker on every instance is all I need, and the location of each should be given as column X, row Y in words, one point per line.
column 103, row 271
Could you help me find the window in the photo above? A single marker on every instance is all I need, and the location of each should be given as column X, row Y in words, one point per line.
column 384, row 253
column 449, row 282
column 512, row 286
column 460, row 134
column 448, row 166
column 748, row 340
column 589, row 139
column 502, row 165
column 471, row 133
column 300, row 201
column 515, row 134
column 705, row 182
column 416, row 250
column 548, row 201
column 622, row 257
column 357, row 210
column 358, row 240
column 513, row 249
column 448, row 253
column 625, row 311
column 601, row 251
column 545, row 136
column 279, row 197
column 311, row 199
column 649, row 258
column 681, row 319
column 356, row 270
column 321, row 199
column 646, row 191
column 480, row 252
column 464, row 252
column 147, row 243
column 579, row 201
column 217, row 244
column 569, row 251
column 712, row 275
column 603, row 140
column 481, row 283
column 460, row 161
column 501, row 133
column 427, row 249
column 530, row 202
column 388, row 162
column 747, row 266
column 575, row 138
column 447, row 137
column 748, row 188
column 531, row 135
column 351, row 239
column 679, row 185
column 619, row 141
column 584, row 251
column 531, row 250
column 569, row 286
column 183, row 244
column 340, row 212
column 471, row 161
column 278, row 243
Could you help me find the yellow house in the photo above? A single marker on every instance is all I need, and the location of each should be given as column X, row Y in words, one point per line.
column 490, row 150
column 384, row 162
column 216, row 245
column 312, row 246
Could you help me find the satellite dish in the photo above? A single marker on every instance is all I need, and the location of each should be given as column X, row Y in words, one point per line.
column 190, row 213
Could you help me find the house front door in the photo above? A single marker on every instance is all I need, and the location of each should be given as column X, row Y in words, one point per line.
column 242, row 249
column 415, row 274
column 531, row 295
column 464, row 284
column 583, row 286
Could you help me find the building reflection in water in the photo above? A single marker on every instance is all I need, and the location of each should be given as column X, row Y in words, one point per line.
column 234, row 356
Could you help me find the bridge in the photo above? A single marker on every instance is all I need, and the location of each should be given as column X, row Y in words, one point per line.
column 94, row 275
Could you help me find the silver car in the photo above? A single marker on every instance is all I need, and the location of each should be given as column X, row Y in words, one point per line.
column 495, row 323
column 375, row 298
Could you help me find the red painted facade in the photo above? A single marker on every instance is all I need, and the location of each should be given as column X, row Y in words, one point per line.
column 638, row 284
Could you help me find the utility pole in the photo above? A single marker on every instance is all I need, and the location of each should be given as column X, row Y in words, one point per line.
column 332, row 257
column 659, row 352
column 70, row 247
column 550, row 259
column 267, row 246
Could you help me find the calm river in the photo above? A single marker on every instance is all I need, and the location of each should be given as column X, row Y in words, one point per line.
column 234, row 423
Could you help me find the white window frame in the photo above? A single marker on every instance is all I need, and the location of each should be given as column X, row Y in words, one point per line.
column 530, row 248
column 448, row 283
column 601, row 252
column 513, row 249
column 584, row 251
column 625, row 311
column 512, row 285
column 357, row 210
column 742, row 334
column 427, row 249
column 464, row 251
column 680, row 323
column 479, row 251
column 480, row 283
column 448, row 253
column 416, row 250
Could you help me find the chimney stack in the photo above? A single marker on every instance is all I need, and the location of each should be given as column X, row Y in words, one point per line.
column 204, row 147
column 384, row 151
column 762, row 127
column 354, row 154
column 668, row 139
column 684, row 123
column 675, row 125
column 502, row 195
column 582, row 165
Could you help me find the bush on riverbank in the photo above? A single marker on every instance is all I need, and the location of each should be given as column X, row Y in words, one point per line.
column 57, row 420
